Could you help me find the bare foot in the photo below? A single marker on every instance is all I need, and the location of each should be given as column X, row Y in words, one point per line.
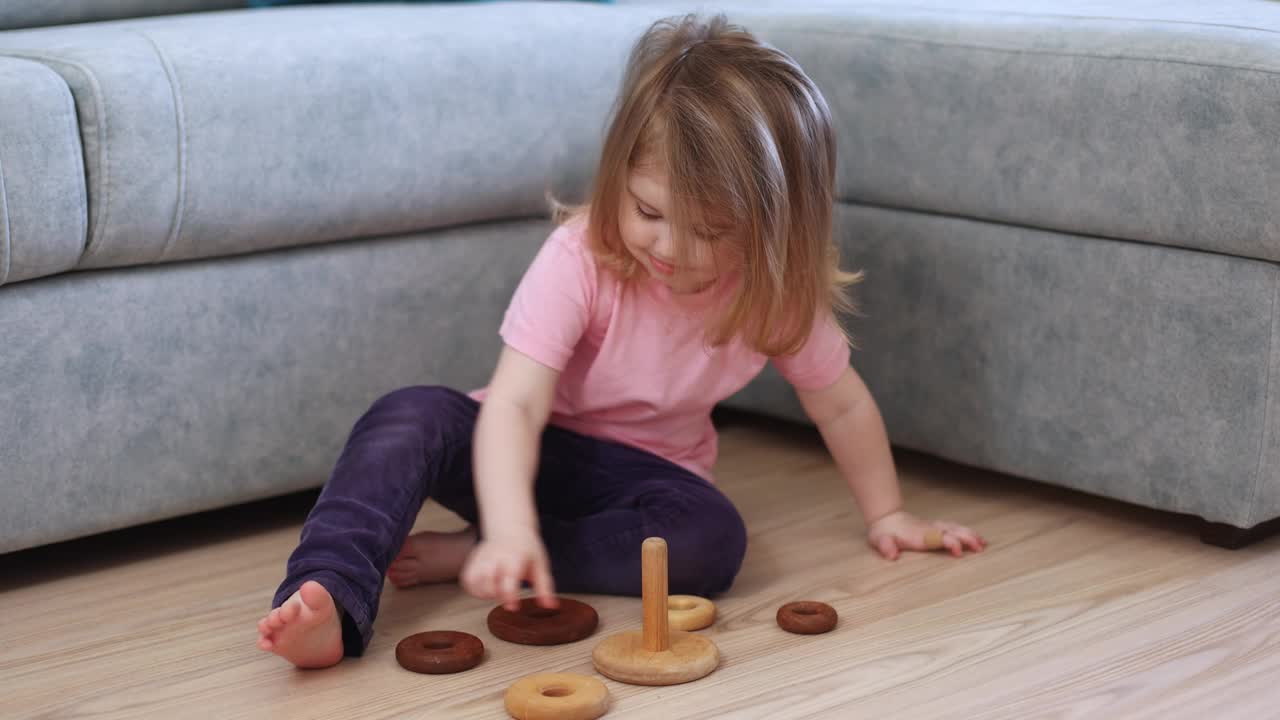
column 305, row 629
column 431, row 557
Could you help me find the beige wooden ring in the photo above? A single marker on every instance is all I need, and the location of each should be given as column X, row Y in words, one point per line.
column 690, row 612
column 933, row 539
column 558, row 696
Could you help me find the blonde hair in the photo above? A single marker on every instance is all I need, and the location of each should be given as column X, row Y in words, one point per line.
column 746, row 141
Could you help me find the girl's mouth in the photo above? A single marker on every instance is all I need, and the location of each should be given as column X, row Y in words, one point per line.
column 665, row 268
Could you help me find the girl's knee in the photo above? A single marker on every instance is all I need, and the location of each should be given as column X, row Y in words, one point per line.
column 415, row 398
column 417, row 409
column 707, row 553
column 418, row 401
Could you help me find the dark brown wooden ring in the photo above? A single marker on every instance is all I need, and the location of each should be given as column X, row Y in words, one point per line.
column 440, row 652
column 533, row 624
column 807, row 618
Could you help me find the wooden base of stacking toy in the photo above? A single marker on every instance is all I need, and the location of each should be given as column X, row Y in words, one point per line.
column 656, row 655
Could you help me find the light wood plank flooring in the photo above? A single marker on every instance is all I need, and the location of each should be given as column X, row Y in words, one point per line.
column 1080, row 608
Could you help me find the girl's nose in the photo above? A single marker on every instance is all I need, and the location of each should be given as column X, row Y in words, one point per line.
column 663, row 246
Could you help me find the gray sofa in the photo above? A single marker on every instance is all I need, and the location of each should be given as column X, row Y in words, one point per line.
column 223, row 234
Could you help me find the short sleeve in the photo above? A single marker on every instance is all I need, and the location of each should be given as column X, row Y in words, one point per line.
column 824, row 357
column 551, row 306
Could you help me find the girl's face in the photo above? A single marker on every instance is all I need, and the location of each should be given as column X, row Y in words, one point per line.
column 647, row 233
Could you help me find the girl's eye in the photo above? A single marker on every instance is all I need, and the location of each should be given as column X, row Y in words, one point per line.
column 647, row 216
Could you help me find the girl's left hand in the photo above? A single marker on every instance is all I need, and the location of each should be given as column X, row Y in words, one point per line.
column 901, row 530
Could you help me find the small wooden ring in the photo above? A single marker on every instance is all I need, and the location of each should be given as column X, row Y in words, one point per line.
column 439, row 652
column 533, row 624
column 690, row 612
column 933, row 539
column 807, row 618
column 564, row 696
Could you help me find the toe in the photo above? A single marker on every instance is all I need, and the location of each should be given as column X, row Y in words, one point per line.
column 266, row 644
column 314, row 596
column 288, row 612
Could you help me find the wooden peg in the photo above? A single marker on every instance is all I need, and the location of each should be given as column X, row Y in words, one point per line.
column 653, row 574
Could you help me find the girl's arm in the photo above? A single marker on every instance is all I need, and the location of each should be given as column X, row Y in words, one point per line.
column 854, row 432
column 507, row 438
column 851, row 426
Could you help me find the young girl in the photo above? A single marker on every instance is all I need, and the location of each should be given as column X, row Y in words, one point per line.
column 705, row 251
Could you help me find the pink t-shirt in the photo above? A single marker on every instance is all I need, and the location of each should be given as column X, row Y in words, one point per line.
column 634, row 364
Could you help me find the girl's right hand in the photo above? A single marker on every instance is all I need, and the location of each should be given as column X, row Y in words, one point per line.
column 499, row 563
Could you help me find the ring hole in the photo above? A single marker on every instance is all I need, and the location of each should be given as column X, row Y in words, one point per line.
column 805, row 611
column 556, row 691
column 541, row 612
column 681, row 605
column 438, row 645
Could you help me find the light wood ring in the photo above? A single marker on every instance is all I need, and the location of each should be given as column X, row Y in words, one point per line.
column 690, row 612
column 563, row 696
column 933, row 539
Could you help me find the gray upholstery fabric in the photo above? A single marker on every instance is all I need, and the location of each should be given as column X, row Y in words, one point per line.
column 129, row 134
column 42, row 194
column 1146, row 129
column 235, row 132
column 36, row 13
column 1139, row 368
column 1265, row 502
column 1135, row 372
column 151, row 392
column 1149, row 121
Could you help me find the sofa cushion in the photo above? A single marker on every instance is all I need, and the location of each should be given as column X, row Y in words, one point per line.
column 1148, row 121
column 39, row 13
column 42, row 194
column 236, row 132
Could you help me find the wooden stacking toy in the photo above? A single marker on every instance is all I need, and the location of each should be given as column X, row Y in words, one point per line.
column 655, row 655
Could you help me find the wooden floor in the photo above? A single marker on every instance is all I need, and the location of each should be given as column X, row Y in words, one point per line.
column 1080, row 608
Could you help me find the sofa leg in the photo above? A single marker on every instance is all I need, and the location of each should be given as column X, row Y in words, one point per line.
column 1234, row 538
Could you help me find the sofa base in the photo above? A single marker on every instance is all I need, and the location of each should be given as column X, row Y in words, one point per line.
column 1136, row 372
column 139, row 394
column 1231, row 537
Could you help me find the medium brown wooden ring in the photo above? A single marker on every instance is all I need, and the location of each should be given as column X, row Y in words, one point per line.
column 439, row 652
column 536, row 625
column 807, row 618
